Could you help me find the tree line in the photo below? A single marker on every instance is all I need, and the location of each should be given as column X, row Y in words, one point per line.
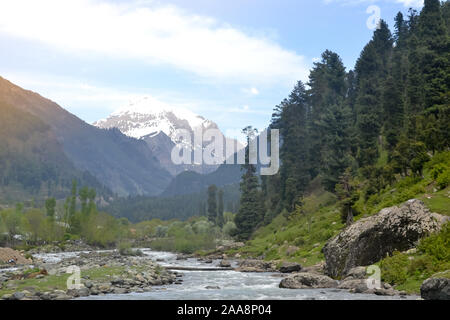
column 362, row 130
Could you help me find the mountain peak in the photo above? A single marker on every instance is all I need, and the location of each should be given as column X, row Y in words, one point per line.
column 147, row 116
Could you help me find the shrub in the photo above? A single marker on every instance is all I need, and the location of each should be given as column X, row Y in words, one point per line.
column 443, row 180
column 437, row 245
column 229, row 228
column 394, row 268
column 126, row 250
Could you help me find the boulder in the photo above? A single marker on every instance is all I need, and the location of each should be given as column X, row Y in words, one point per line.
column 355, row 285
column 224, row 264
column 256, row 266
column 305, row 280
column 371, row 239
column 357, row 273
column 289, row 267
column 435, row 289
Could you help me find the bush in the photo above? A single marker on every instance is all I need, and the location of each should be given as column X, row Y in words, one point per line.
column 437, row 245
column 394, row 269
column 443, row 180
column 229, row 228
column 126, row 250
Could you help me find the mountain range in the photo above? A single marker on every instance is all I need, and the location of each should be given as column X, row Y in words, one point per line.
column 158, row 124
column 43, row 147
column 124, row 165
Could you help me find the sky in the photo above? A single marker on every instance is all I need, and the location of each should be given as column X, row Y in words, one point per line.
column 231, row 61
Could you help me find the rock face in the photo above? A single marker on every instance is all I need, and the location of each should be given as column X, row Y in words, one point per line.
column 289, row 267
column 435, row 289
column 305, row 280
column 371, row 239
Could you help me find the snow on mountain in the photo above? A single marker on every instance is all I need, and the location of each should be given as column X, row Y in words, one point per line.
column 148, row 117
column 152, row 121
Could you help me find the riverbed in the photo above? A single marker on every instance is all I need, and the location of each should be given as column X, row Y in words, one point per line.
column 222, row 285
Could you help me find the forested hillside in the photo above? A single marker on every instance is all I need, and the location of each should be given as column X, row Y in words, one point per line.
column 123, row 164
column 181, row 206
column 32, row 161
column 362, row 131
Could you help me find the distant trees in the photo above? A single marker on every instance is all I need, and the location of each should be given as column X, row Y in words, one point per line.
column 212, row 203
column 220, row 209
column 50, row 205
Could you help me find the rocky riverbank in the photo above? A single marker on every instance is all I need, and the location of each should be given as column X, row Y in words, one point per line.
column 101, row 273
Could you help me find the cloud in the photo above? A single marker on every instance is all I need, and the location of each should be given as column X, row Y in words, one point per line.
column 406, row 3
column 154, row 34
column 411, row 3
column 251, row 91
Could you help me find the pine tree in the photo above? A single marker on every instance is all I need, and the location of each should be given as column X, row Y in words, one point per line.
column 393, row 112
column 295, row 172
column 220, row 209
column 371, row 68
column 212, row 203
column 50, row 205
column 251, row 211
column 327, row 82
column 347, row 196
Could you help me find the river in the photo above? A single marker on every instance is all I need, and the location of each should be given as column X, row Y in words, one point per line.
column 228, row 285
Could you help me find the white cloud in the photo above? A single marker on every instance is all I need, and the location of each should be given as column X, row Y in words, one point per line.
column 406, row 3
column 153, row 34
column 411, row 3
column 251, row 91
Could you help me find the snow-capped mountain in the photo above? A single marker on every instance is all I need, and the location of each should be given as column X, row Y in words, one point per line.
column 157, row 124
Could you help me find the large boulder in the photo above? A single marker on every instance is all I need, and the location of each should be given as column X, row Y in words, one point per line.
column 435, row 289
column 371, row 239
column 289, row 267
column 305, row 280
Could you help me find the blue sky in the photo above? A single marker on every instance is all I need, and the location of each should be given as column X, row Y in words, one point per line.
column 231, row 61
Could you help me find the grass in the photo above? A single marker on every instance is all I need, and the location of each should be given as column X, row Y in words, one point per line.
column 438, row 201
column 59, row 282
column 408, row 271
column 301, row 236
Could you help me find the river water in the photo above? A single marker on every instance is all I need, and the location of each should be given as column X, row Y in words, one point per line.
column 231, row 285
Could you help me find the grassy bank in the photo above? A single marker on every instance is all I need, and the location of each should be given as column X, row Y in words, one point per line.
column 58, row 282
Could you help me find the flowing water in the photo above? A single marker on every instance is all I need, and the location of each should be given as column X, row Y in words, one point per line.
column 228, row 285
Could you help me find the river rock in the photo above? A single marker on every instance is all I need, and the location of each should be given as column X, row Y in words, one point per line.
column 355, row 285
column 256, row 266
column 289, row 267
column 356, row 273
column 307, row 281
column 18, row 296
column 225, row 264
column 371, row 239
column 435, row 289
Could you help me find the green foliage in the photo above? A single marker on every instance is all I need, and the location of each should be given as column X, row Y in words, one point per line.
column 443, row 179
column 125, row 249
column 307, row 230
column 408, row 271
column 394, row 268
column 187, row 237
column 251, row 210
column 212, row 203
column 141, row 208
